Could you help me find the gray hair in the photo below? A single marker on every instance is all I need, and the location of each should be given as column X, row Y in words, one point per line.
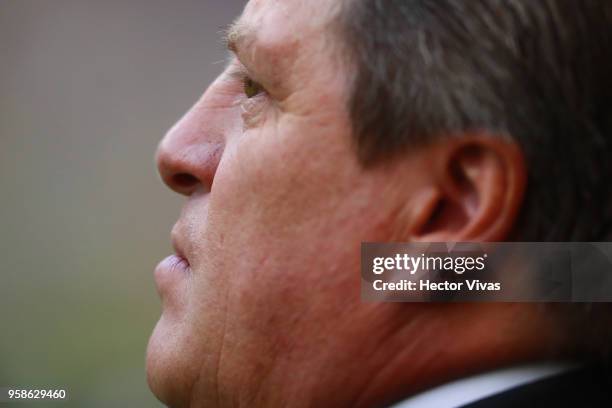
column 536, row 71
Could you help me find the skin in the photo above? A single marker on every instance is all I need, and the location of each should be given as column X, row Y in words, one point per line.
column 268, row 312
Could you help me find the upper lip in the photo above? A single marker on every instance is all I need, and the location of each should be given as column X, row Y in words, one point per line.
column 177, row 242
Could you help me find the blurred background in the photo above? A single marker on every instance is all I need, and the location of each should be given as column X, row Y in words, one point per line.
column 87, row 89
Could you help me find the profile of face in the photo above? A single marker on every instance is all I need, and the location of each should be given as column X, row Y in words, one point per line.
column 261, row 303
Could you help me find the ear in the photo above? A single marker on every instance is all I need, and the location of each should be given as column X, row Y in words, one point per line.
column 474, row 190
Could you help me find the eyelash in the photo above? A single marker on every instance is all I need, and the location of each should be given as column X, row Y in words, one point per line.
column 245, row 81
column 252, row 107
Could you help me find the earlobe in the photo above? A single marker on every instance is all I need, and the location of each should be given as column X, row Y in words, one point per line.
column 480, row 181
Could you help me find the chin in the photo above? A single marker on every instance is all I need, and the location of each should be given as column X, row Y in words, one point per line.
column 166, row 374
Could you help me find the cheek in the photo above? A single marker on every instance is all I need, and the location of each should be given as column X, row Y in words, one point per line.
column 278, row 178
column 285, row 202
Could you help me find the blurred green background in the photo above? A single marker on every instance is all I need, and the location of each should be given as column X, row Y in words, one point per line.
column 87, row 89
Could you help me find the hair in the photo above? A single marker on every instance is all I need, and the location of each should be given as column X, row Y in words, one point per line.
column 538, row 72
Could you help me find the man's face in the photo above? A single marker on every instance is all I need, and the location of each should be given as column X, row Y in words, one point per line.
column 265, row 291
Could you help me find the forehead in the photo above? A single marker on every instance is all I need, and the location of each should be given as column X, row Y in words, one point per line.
column 283, row 26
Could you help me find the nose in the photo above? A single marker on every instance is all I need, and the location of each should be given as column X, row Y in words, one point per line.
column 188, row 156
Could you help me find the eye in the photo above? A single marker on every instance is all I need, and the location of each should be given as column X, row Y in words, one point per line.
column 251, row 88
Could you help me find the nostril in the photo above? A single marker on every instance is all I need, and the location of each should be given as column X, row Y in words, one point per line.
column 184, row 180
column 187, row 165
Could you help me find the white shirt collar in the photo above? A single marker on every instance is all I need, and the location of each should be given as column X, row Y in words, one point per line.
column 471, row 389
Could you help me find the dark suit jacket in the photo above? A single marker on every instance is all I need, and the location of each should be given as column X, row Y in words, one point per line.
column 589, row 387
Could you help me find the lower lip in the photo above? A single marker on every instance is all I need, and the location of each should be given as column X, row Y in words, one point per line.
column 169, row 270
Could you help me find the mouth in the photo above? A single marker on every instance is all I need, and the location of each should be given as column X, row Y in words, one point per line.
column 173, row 268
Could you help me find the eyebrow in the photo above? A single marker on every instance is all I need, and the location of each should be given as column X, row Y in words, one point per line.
column 236, row 34
column 238, row 37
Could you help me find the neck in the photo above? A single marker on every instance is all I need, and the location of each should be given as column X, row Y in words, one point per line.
column 450, row 341
column 408, row 348
column 404, row 349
